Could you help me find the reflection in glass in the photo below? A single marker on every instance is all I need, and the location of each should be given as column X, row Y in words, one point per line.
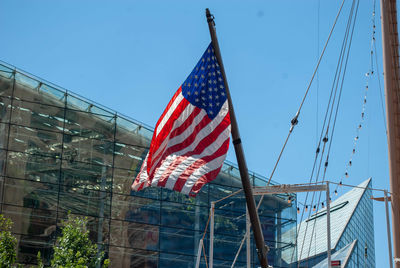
column 84, row 202
column 134, row 258
column 33, row 167
column 35, row 141
column 65, row 154
column 5, row 104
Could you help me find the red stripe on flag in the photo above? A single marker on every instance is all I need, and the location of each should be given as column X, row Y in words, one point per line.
column 200, row 162
column 206, row 142
column 188, row 122
column 179, row 130
column 203, row 180
column 165, row 131
column 177, row 147
column 203, row 144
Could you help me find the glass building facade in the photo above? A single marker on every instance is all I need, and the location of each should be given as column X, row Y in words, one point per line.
column 352, row 232
column 60, row 154
column 361, row 229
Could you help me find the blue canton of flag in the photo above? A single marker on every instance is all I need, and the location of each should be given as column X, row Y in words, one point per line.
column 204, row 87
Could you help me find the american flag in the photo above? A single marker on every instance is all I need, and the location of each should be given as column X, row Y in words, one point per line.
column 191, row 138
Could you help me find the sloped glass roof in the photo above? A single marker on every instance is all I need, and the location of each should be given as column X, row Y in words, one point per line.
column 309, row 243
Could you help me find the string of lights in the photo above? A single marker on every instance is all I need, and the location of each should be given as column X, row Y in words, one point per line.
column 360, row 125
column 368, row 76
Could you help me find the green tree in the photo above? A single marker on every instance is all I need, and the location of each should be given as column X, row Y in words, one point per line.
column 74, row 248
column 7, row 243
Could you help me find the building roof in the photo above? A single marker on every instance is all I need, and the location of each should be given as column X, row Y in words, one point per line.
column 309, row 243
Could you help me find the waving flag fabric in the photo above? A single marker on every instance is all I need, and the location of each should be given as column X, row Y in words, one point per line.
column 191, row 138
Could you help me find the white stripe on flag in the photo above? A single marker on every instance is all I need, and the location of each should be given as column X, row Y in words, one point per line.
column 170, row 160
column 206, row 130
column 212, row 165
column 211, row 149
column 168, row 114
column 190, row 108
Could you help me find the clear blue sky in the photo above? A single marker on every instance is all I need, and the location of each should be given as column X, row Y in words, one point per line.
column 131, row 56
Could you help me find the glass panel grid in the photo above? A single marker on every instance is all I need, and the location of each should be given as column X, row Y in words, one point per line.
column 66, row 154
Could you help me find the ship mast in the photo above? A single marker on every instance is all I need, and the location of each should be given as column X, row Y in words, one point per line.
column 390, row 45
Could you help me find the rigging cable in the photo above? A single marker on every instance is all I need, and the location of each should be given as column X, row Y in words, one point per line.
column 336, row 113
column 340, row 77
column 294, row 121
column 368, row 76
column 324, row 133
column 379, row 83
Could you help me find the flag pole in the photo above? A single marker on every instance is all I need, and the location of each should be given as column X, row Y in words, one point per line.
column 262, row 248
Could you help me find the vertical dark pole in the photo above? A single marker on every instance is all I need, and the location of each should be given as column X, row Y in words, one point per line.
column 262, row 249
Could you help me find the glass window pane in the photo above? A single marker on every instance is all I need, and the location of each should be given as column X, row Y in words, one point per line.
column 37, row 115
column 86, row 176
column 80, row 104
column 184, row 215
column 2, row 162
column 83, row 149
column 32, row 221
column 122, row 181
column 6, row 70
column 33, row 91
column 133, row 258
column 24, row 80
column 50, row 92
column 177, row 240
column 86, row 124
column 5, row 109
column 129, row 156
column 29, row 246
column 129, row 132
column 223, row 245
column 175, row 260
column 30, row 194
column 33, row 167
column 4, row 135
column 135, row 209
column 134, row 235
column 84, row 202
column 229, row 222
column 6, row 84
column 218, row 191
column 225, row 177
column 35, row 141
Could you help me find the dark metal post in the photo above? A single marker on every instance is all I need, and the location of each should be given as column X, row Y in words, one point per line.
column 262, row 249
